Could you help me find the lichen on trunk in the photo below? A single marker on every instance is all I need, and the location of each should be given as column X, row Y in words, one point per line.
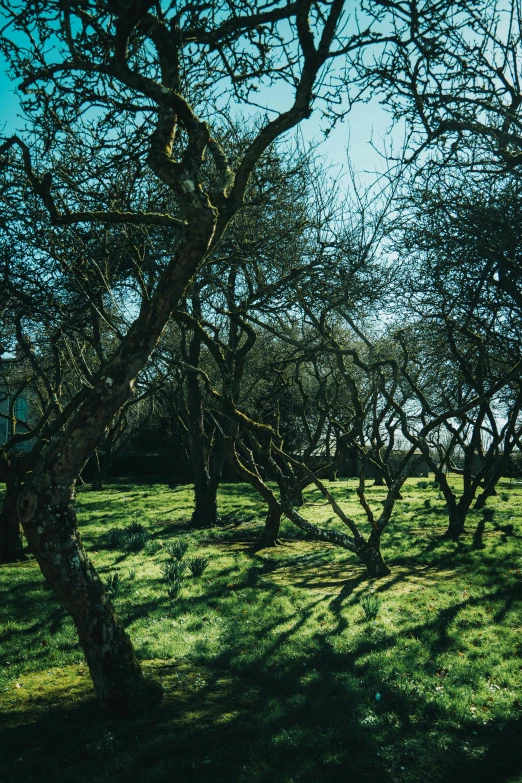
column 50, row 524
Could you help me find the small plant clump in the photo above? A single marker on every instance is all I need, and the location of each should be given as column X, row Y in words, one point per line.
column 114, row 539
column 504, row 496
column 131, row 539
column 173, row 588
column 152, row 547
column 173, row 569
column 423, row 484
column 197, row 565
column 370, row 605
column 135, row 537
column 178, row 549
column 114, row 585
column 427, row 503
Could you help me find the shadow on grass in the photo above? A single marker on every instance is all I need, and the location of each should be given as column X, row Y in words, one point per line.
column 212, row 726
column 217, row 725
column 352, row 701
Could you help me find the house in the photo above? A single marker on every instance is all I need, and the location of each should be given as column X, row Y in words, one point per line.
column 13, row 401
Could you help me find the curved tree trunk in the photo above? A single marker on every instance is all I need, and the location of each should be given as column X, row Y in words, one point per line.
column 46, row 504
column 270, row 534
column 11, row 544
column 50, row 524
column 369, row 552
column 484, row 497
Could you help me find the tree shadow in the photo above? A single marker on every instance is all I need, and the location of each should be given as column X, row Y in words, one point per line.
column 478, row 543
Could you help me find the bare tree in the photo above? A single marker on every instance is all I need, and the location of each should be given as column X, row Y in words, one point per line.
column 155, row 76
column 452, row 70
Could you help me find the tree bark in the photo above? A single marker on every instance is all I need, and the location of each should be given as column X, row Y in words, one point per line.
column 483, row 497
column 11, row 544
column 270, row 534
column 101, row 471
column 369, row 552
column 457, row 518
column 205, row 495
column 371, row 555
column 205, row 486
column 296, row 496
column 379, row 479
column 50, row 524
column 46, row 504
column 97, row 483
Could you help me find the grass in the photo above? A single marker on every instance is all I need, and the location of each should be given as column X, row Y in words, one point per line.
column 272, row 667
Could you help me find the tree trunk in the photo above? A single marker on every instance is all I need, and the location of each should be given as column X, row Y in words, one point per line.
column 371, row 555
column 455, row 528
column 270, row 534
column 97, row 483
column 11, row 544
column 379, row 479
column 102, row 468
column 296, row 496
column 205, row 490
column 50, row 524
column 481, row 500
column 205, row 495
column 46, row 503
column 489, row 491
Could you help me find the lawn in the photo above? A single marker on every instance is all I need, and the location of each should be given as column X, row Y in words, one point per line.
column 285, row 665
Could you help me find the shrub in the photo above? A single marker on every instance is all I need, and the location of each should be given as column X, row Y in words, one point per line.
column 178, row 549
column 197, row 565
column 370, row 605
column 423, row 484
column 504, row 496
column 427, row 503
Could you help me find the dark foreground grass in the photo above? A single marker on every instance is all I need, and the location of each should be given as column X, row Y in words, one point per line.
column 274, row 664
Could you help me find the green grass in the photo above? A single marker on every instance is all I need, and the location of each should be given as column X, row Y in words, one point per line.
column 273, row 671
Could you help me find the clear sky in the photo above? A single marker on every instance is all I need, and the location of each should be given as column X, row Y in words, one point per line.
column 8, row 101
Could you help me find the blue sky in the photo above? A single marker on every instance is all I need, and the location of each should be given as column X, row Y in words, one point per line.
column 352, row 136
column 8, row 102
